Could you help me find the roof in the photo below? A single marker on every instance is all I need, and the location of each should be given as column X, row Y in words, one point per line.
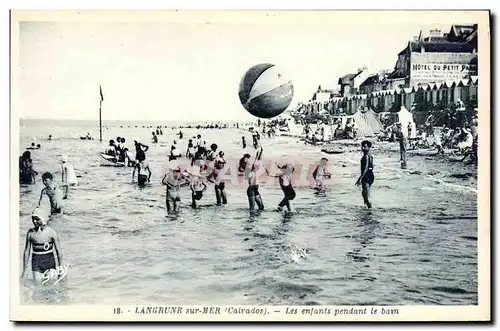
column 439, row 47
column 397, row 73
column 348, row 78
column 461, row 29
column 371, row 80
column 442, row 47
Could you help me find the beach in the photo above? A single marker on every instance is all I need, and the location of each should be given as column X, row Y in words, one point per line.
column 417, row 246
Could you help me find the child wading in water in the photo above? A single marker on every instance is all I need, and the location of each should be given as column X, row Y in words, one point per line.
column 253, row 188
column 196, row 185
column 367, row 178
column 142, row 167
column 42, row 243
column 285, row 178
column 321, row 172
column 216, row 177
column 53, row 192
column 68, row 175
column 173, row 180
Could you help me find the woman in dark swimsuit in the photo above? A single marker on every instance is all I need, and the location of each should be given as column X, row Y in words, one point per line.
column 140, row 150
column 46, row 253
column 367, row 177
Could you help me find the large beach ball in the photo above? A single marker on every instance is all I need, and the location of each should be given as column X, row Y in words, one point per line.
column 265, row 91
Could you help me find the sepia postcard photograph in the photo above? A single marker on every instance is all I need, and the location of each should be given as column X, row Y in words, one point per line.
column 178, row 165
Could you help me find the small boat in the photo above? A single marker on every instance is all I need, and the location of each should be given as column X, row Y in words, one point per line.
column 332, row 151
column 86, row 138
column 112, row 161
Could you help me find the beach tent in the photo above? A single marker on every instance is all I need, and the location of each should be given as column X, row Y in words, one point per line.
column 405, row 117
column 373, row 121
column 361, row 123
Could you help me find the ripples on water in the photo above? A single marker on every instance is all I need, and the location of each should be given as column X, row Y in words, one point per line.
column 417, row 246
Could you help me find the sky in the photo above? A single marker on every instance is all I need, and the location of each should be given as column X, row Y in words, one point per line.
column 189, row 70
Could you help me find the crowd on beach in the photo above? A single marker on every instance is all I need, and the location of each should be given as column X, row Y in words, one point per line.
column 458, row 137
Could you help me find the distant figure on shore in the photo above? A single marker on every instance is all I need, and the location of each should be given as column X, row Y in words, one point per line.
column 42, row 243
column 68, row 176
column 180, row 134
column 367, row 177
column 243, row 142
column 154, row 139
column 50, row 137
column 400, row 136
column 26, row 172
column 53, row 192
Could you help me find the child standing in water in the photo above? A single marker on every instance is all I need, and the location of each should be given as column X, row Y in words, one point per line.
column 53, row 192
column 253, row 189
column 216, row 178
column 321, row 172
column 285, row 179
column 173, row 180
column 68, row 175
column 367, row 178
column 43, row 245
column 197, row 186
column 142, row 178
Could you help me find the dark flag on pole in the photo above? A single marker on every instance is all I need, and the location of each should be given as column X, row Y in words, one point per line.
column 100, row 119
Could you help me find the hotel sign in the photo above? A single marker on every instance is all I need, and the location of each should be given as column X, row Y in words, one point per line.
column 442, row 71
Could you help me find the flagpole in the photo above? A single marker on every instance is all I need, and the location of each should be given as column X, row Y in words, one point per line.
column 100, row 118
column 100, row 122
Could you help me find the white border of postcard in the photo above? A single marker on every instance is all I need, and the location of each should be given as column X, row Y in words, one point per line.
column 480, row 312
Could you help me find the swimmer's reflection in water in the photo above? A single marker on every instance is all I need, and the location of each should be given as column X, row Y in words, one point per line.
column 365, row 237
column 273, row 247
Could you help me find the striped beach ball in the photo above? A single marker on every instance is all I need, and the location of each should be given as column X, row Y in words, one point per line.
column 265, row 91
